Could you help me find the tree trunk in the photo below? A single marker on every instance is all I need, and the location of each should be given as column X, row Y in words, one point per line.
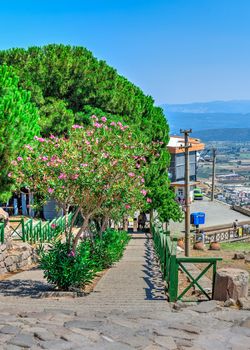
column 74, row 219
column 82, row 229
column 104, row 225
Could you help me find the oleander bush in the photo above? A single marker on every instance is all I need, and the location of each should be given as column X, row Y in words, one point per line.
column 109, row 248
column 68, row 269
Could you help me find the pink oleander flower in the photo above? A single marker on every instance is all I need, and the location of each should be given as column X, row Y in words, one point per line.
column 84, row 164
column 94, row 117
column 87, row 142
column 127, row 206
column 40, row 139
column 63, row 186
column 10, row 175
column 53, row 226
column 62, row 176
column 142, row 180
column 52, row 137
column 144, row 192
column 28, row 158
column 119, row 123
column 89, row 133
column 50, row 190
column 103, row 119
column 112, row 123
column 76, row 126
column 44, row 158
column 138, row 166
column 135, row 157
column 19, row 159
column 29, row 147
column 125, row 127
column 14, row 162
column 75, row 176
column 131, row 174
column 97, row 125
column 72, row 253
column 149, row 200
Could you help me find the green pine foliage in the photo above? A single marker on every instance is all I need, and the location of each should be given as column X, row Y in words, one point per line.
column 71, row 78
column 18, row 124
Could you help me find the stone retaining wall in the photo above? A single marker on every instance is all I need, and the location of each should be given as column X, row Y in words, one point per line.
column 15, row 257
column 241, row 210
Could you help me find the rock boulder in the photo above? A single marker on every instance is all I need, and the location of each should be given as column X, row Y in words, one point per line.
column 4, row 216
column 231, row 283
column 238, row 256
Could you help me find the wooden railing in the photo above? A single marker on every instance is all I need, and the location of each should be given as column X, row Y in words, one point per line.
column 36, row 231
column 1, row 232
column 170, row 263
column 228, row 235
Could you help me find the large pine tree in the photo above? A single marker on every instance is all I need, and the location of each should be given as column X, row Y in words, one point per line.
column 68, row 85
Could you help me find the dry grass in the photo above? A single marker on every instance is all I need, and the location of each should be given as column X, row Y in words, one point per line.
column 227, row 253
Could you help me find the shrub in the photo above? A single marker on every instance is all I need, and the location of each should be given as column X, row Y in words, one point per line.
column 66, row 269
column 109, row 248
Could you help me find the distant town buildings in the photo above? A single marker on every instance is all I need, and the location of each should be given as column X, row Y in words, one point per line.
column 232, row 182
column 177, row 164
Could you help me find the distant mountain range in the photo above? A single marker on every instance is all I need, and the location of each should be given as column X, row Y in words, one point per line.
column 208, row 115
column 234, row 106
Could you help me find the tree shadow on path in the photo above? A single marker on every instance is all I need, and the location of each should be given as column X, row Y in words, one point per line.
column 153, row 278
column 23, row 288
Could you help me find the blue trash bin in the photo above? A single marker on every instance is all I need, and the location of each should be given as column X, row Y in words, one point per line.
column 197, row 218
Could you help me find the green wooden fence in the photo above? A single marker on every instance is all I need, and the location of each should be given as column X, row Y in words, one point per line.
column 36, row 231
column 170, row 263
column 1, row 232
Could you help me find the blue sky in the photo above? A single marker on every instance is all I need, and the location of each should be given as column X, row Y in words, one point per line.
column 178, row 51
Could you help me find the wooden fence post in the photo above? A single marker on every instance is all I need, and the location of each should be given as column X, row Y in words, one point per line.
column 173, row 271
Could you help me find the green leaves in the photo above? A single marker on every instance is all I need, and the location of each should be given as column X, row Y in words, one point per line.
column 68, row 84
column 67, row 269
column 18, row 124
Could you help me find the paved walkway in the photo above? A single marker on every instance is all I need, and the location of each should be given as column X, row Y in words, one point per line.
column 217, row 213
column 127, row 310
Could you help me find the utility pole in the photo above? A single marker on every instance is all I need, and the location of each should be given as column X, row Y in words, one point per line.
column 213, row 173
column 187, row 191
